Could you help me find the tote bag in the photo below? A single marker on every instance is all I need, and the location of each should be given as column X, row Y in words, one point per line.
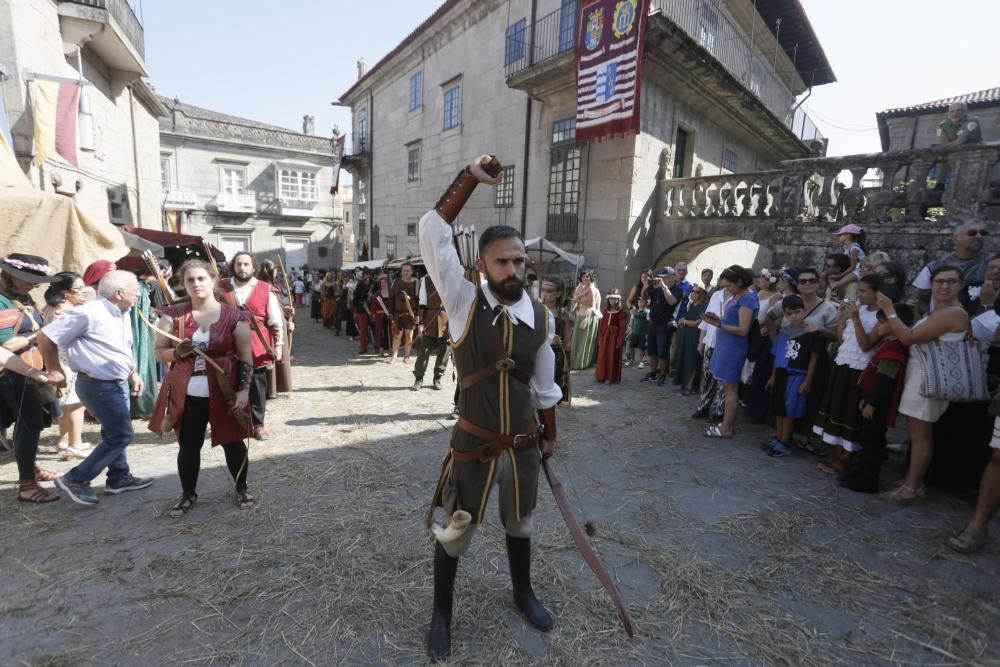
column 953, row 371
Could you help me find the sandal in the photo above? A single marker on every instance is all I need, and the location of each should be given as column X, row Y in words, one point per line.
column 904, row 494
column 245, row 500
column 716, row 432
column 968, row 541
column 36, row 494
column 67, row 452
column 182, row 507
column 807, row 446
column 45, row 475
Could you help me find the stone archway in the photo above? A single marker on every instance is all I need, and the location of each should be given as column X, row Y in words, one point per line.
column 716, row 253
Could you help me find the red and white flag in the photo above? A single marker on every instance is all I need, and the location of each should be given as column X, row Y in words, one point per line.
column 54, row 106
column 338, row 157
column 608, row 68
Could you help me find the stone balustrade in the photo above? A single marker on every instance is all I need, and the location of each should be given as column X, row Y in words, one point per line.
column 960, row 181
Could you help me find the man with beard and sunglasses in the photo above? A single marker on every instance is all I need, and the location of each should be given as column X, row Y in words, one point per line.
column 258, row 299
column 501, row 340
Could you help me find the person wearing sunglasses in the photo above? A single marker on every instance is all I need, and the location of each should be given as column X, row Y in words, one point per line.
column 970, row 255
column 821, row 315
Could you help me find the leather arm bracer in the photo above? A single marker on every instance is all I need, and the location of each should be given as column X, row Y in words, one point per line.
column 454, row 198
column 547, row 418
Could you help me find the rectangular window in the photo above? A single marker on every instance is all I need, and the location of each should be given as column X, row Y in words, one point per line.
column 390, row 246
column 297, row 185
column 708, row 26
column 514, row 47
column 729, row 160
column 505, row 189
column 362, row 137
column 416, row 91
column 411, row 229
column 680, row 153
column 413, row 164
column 164, row 173
column 567, row 24
column 452, row 106
column 347, row 217
column 564, row 130
column 233, row 179
column 564, row 183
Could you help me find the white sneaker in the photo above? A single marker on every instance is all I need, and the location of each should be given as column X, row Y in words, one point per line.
column 899, row 447
column 642, row 364
column 627, row 364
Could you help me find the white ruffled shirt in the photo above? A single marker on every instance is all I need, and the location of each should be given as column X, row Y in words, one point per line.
column 459, row 297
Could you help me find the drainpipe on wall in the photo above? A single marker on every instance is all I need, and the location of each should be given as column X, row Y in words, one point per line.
column 135, row 159
column 371, row 174
column 527, row 129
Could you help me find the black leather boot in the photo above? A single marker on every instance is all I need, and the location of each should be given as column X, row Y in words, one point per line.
column 439, row 634
column 519, row 557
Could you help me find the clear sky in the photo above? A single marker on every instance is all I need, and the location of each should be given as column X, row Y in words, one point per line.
column 276, row 61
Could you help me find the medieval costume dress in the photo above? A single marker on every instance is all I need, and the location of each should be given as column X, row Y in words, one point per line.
column 194, row 396
column 587, row 313
column 23, row 403
column 611, row 341
column 378, row 304
column 330, row 299
column 142, row 352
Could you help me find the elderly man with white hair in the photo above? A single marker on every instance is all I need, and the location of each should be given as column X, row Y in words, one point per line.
column 97, row 340
column 960, row 128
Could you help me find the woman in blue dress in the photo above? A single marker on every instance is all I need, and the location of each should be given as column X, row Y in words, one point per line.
column 731, row 344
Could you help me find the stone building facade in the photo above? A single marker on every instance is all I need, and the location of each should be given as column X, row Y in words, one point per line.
column 497, row 76
column 99, row 43
column 914, row 127
column 246, row 185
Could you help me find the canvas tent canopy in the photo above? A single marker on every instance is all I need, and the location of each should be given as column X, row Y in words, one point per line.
column 49, row 225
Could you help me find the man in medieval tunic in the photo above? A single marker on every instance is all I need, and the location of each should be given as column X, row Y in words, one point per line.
column 257, row 298
column 403, row 302
column 433, row 332
column 501, row 341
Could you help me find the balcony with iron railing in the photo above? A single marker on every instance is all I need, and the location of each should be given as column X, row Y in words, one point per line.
column 549, row 43
column 123, row 47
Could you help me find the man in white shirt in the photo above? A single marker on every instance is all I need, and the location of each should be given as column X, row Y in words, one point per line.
column 97, row 339
column 258, row 298
column 501, row 341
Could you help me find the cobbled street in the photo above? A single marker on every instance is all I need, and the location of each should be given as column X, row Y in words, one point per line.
column 722, row 554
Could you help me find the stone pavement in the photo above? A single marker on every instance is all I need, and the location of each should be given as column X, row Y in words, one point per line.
column 720, row 552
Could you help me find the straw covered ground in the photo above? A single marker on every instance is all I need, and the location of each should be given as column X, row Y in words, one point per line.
column 723, row 556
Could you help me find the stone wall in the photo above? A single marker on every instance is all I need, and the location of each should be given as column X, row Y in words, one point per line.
column 126, row 136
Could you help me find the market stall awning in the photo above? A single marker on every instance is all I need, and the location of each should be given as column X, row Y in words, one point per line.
column 50, row 225
column 175, row 246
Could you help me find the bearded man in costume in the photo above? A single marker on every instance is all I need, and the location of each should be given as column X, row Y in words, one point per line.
column 501, row 341
column 433, row 331
column 258, row 299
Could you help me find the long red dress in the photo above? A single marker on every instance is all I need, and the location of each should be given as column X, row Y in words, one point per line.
column 169, row 407
column 610, row 341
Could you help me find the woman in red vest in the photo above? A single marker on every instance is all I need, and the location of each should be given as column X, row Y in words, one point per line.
column 198, row 392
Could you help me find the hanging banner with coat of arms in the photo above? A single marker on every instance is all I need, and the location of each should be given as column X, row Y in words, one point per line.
column 608, row 67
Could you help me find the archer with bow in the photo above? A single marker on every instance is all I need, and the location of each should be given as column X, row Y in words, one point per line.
column 207, row 345
column 501, row 341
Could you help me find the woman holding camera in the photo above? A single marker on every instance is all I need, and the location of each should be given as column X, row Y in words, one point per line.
column 731, row 344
